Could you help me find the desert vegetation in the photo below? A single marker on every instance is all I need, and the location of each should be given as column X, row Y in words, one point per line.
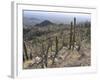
column 51, row 45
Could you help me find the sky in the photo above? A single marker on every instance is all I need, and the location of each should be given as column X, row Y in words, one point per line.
column 55, row 17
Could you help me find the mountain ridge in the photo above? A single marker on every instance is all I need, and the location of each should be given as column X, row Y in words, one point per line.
column 45, row 23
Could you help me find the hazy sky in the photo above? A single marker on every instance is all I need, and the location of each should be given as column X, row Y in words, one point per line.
column 56, row 17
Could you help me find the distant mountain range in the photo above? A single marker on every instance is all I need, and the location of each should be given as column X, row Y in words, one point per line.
column 29, row 22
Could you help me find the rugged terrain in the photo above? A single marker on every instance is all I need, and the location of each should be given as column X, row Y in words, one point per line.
column 50, row 45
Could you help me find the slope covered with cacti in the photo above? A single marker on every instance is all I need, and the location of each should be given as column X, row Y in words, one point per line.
column 57, row 45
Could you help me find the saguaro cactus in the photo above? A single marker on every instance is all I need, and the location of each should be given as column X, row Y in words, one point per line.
column 31, row 56
column 46, row 55
column 56, row 46
column 42, row 54
column 71, row 34
column 23, row 58
column 51, row 43
column 56, row 52
column 25, row 50
column 74, row 32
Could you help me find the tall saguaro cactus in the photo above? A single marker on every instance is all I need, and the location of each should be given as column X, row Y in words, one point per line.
column 46, row 55
column 31, row 56
column 56, row 46
column 74, row 31
column 25, row 51
column 71, row 34
column 23, row 58
column 56, row 52
column 42, row 53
